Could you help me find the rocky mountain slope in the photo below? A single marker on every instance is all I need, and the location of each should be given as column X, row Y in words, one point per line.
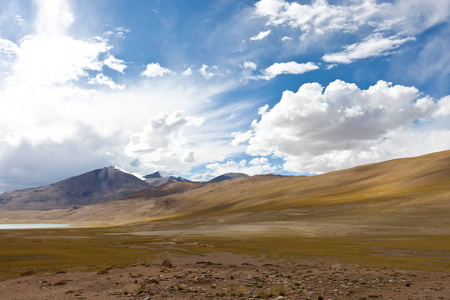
column 227, row 176
column 155, row 179
column 89, row 188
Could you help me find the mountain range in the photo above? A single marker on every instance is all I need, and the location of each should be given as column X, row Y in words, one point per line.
column 89, row 188
column 156, row 179
column 392, row 195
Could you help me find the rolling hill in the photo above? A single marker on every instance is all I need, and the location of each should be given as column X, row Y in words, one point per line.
column 408, row 195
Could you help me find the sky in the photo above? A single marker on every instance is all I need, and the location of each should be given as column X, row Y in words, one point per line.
column 205, row 87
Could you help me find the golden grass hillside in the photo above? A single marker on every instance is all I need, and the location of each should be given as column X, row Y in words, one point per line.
column 403, row 193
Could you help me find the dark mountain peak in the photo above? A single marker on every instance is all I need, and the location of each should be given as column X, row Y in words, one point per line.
column 227, row 176
column 153, row 175
column 88, row 188
column 179, row 179
column 156, row 179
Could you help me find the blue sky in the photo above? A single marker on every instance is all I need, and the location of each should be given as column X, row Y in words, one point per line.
column 200, row 88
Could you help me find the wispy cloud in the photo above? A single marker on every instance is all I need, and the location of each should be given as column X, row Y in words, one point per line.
column 372, row 46
column 260, row 36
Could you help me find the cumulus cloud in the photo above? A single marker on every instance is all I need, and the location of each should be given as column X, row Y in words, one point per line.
column 260, row 36
column 259, row 161
column 163, row 139
column 316, row 130
column 8, row 48
column 444, row 107
column 372, row 46
column 101, row 79
column 155, row 70
column 54, row 17
column 291, row 67
column 240, row 137
column 254, row 167
column 206, row 71
column 25, row 162
column 187, row 72
column 249, row 65
column 262, row 110
column 114, row 63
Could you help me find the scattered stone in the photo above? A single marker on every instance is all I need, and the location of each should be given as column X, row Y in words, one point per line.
column 208, row 263
column 167, row 264
column 102, row 272
column 27, row 273
column 62, row 282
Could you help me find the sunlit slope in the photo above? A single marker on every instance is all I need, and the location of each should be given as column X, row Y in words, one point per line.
column 397, row 186
column 405, row 193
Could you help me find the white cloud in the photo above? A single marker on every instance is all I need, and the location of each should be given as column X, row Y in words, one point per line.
column 240, row 137
column 254, row 167
column 319, row 16
column 261, row 35
column 373, row 45
column 287, row 68
column 379, row 26
column 263, row 109
column 444, row 107
column 155, row 70
column 187, row 72
column 20, row 21
column 101, row 79
column 410, row 16
column 24, row 162
column 188, row 157
column 249, row 65
column 8, row 48
column 46, row 60
column 163, row 139
column 316, row 130
column 207, row 71
column 286, row 38
column 54, row 17
column 114, row 63
column 259, row 161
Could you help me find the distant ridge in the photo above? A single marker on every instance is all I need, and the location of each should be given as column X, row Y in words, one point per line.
column 227, row 176
column 155, row 179
column 88, row 188
column 153, row 175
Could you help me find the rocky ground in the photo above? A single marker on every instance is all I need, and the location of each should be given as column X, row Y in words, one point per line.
column 210, row 280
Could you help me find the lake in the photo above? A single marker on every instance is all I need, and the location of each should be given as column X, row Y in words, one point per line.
column 31, row 226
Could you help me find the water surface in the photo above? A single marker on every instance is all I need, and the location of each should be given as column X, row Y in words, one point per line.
column 31, row 226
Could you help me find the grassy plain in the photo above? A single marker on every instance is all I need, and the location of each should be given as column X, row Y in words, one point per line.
column 94, row 249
